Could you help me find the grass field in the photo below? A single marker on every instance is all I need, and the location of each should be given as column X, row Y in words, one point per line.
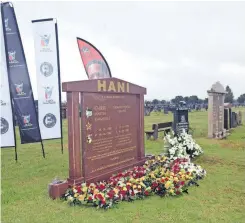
column 220, row 197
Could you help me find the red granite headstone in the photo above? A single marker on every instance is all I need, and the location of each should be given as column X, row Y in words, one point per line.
column 109, row 137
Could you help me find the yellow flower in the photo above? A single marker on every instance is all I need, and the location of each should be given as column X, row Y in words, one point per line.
column 134, row 186
column 84, row 189
column 116, row 190
column 171, row 191
column 142, row 184
column 167, row 185
column 128, row 184
column 125, row 189
column 176, row 179
column 96, row 191
column 139, row 186
column 76, row 194
column 142, row 178
column 81, row 197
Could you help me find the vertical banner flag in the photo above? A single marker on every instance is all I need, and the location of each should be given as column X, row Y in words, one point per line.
column 48, row 78
column 20, row 85
column 6, row 116
column 94, row 62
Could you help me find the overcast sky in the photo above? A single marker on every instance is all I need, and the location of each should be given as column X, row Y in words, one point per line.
column 171, row 48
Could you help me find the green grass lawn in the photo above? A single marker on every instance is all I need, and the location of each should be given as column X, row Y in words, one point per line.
column 220, row 197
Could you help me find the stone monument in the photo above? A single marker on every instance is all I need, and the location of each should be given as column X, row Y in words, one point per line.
column 109, row 136
column 216, row 97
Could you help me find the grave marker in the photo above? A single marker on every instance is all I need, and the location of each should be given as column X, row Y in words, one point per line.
column 109, row 137
column 216, row 111
column 181, row 120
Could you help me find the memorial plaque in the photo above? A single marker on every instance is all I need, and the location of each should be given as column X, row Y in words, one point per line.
column 110, row 132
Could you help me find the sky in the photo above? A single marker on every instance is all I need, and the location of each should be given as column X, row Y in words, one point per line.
column 171, row 48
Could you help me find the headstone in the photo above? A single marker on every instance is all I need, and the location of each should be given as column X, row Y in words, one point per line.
column 216, row 111
column 110, row 136
column 165, row 110
column 181, row 120
column 147, row 111
column 226, row 119
column 239, row 118
column 234, row 120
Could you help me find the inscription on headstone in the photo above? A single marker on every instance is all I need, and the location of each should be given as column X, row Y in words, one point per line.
column 110, row 133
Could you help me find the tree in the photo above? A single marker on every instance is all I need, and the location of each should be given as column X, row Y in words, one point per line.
column 155, row 102
column 193, row 99
column 163, row 102
column 229, row 97
column 177, row 99
column 206, row 100
column 241, row 98
column 186, row 99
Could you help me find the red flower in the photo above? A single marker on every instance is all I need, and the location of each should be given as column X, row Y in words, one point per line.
column 111, row 194
column 90, row 198
column 177, row 192
column 146, row 193
column 182, row 183
column 103, row 202
column 78, row 188
column 101, row 187
column 128, row 187
column 99, row 196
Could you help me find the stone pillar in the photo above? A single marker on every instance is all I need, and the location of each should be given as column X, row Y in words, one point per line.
column 216, row 97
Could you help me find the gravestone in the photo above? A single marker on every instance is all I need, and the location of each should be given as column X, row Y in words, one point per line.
column 181, row 120
column 109, row 137
column 234, row 120
column 216, row 111
column 226, row 119
column 147, row 111
column 239, row 118
column 165, row 110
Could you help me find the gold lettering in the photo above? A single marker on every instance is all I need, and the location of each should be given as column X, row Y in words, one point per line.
column 120, row 87
column 101, row 85
column 128, row 87
column 112, row 86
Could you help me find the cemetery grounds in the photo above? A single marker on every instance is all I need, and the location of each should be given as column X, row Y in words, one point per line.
column 219, row 198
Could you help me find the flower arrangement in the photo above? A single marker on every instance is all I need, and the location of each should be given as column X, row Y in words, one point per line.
column 181, row 146
column 161, row 176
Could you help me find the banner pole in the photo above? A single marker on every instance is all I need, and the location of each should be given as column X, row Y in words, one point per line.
column 59, row 83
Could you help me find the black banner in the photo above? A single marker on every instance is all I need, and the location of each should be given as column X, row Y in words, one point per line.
column 19, row 80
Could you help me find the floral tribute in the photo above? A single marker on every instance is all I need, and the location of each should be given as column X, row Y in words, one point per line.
column 161, row 176
column 180, row 146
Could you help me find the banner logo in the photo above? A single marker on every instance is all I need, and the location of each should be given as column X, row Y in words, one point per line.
column 12, row 59
column 47, row 94
column 19, row 89
column 2, row 103
column 45, row 40
column 49, row 120
column 85, row 50
column 46, row 69
column 4, row 126
column 6, row 23
column 27, row 120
